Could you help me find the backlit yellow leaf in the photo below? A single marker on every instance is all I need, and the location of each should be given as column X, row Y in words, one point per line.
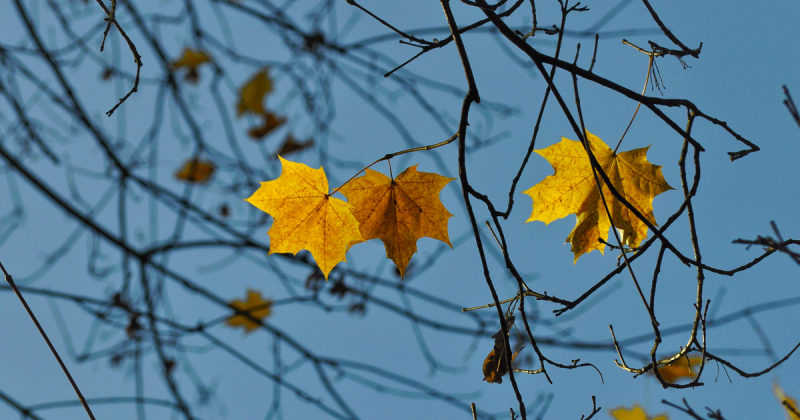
column 572, row 189
column 681, row 368
column 306, row 217
column 399, row 211
column 255, row 306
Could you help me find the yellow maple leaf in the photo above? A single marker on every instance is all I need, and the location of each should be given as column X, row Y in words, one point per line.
column 789, row 404
column 255, row 305
column 572, row 189
column 306, row 216
column 681, row 368
column 251, row 96
column 191, row 59
column 196, row 171
column 399, row 211
column 635, row 413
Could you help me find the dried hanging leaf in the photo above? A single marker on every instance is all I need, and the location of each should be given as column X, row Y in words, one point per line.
column 255, row 306
column 196, row 171
column 789, row 404
column 306, row 216
column 271, row 122
column 291, row 145
column 494, row 366
column 399, row 211
column 681, row 368
column 635, row 413
column 572, row 189
column 191, row 59
column 251, row 97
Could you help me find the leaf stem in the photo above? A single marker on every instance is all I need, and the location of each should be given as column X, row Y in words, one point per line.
column 391, row 155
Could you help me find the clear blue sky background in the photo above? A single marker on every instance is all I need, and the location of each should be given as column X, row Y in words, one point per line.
column 749, row 51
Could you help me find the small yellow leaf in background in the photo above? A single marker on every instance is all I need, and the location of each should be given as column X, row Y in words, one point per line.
column 306, row 217
column 399, row 211
column 251, row 97
column 291, row 145
column 255, row 305
column 271, row 122
column 572, row 189
column 681, row 368
column 635, row 413
column 789, row 404
column 191, row 59
column 196, row 171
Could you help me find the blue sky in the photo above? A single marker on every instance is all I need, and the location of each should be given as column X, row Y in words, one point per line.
column 749, row 52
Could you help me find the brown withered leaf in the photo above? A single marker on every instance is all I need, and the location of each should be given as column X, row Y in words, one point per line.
column 271, row 122
column 291, row 145
column 196, row 170
column 494, row 366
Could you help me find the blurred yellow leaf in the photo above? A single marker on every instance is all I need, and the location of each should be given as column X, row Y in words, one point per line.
column 251, row 97
column 635, row 413
column 681, row 368
column 789, row 404
column 306, row 216
column 255, row 306
column 271, row 122
column 572, row 189
column 191, row 59
column 196, row 171
column 291, row 145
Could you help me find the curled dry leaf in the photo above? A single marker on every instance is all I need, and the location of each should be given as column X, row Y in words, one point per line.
column 634, row 413
column 196, row 171
column 494, row 366
column 255, row 306
column 572, row 189
column 306, row 216
column 399, row 211
column 252, row 94
column 191, row 59
column 681, row 368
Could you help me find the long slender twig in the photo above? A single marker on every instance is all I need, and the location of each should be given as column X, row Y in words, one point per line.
column 72, row 382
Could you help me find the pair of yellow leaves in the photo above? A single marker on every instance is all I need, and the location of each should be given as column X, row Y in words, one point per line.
column 397, row 211
column 572, row 189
